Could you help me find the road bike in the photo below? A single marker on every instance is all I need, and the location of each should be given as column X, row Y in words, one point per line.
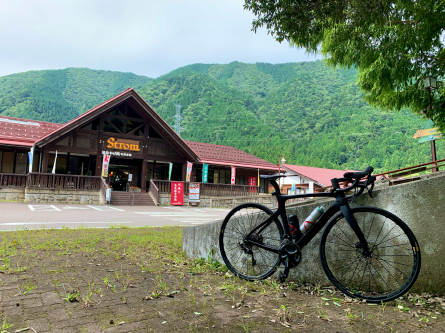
column 366, row 252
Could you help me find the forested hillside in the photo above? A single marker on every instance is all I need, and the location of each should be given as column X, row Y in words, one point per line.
column 312, row 114
column 61, row 95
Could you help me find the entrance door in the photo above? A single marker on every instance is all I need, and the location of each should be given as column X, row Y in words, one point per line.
column 118, row 177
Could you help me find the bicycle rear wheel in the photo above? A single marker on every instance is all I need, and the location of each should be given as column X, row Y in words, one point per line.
column 390, row 270
column 244, row 260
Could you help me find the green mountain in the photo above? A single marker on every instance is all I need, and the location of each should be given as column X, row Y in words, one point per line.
column 312, row 114
column 61, row 95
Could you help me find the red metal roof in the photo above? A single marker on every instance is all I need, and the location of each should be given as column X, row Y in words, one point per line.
column 24, row 132
column 319, row 175
column 209, row 153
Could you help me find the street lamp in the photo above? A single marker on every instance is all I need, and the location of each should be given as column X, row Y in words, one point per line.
column 280, row 161
column 429, row 84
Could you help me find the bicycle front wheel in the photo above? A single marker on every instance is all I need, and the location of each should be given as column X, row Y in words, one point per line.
column 392, row 266
column 247, row 261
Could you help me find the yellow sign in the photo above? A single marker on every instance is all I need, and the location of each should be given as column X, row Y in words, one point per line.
column 425, row 132
column 123, row 144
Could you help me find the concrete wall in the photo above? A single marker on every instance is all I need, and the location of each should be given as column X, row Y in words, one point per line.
column 12, row 194
column 419, row 204
column 33, row 195
column 223, row 202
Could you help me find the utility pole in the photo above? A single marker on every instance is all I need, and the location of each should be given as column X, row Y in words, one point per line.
column 177, row 126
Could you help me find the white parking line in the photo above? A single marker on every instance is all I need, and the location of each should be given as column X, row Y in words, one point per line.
column 44, row 208
column 44, row 223
column 104, row 208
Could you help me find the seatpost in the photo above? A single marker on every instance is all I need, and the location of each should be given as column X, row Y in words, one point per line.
column 273, row 182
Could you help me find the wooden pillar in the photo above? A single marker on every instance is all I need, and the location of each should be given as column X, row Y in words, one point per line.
column 144, row 176
column 45, row 161
column 184, row 172
column 99, row 165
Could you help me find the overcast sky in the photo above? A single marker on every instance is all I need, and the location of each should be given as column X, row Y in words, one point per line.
column 146, row 37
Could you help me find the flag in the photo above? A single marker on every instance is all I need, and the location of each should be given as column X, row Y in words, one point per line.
column 189, row 170
column 205, row 173
column 232, row 178
column 170, row 168
column 55, row 162
column 30, row 158
column 105, row 165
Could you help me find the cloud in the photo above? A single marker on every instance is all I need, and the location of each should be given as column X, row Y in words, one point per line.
column 145, row 37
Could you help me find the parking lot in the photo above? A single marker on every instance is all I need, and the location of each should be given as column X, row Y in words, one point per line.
column 34, row 216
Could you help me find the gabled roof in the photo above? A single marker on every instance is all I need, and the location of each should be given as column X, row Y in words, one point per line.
column 225, row 155
column 162, row 127
column 23, row 132
column 318, row 175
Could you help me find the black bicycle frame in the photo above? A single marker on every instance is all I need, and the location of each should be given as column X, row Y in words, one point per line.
column 340, row 205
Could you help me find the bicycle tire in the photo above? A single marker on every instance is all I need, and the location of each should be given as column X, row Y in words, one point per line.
column 388, row 273
column 236, row 226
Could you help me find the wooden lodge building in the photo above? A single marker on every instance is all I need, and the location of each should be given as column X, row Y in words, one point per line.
column 140, row 143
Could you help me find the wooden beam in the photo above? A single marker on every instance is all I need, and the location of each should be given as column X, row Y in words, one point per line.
column 144, row 176
column 99, row 165
column 45, row 161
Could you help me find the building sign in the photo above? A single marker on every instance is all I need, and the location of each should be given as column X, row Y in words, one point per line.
column 123, row 144
column 116, row 153
column 108, row 194
column 189, row 170
column 205, row 173
column 232, row 177
column 194, row 193
column 105, row 164
column 177, row 193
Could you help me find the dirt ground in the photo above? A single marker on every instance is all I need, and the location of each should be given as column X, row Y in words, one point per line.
column 138, row 279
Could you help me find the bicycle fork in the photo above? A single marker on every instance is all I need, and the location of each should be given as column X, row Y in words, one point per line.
column 362, row 244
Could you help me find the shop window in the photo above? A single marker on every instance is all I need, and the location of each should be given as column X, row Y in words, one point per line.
column 210, row 176
column 242, row 181
column 93, row 126
column 8, row 162
column 1, row 157
column 226, row 179
column 21, row 161
column 215, row 176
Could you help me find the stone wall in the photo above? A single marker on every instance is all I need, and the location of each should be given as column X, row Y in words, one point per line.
column 12, row 194
column 419, row 204
column 33, row 195
column 223, row 202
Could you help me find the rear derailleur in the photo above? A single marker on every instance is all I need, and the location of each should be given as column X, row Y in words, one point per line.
column 290, row 257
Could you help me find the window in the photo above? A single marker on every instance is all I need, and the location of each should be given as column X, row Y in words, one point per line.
column 8, row 162
column 21, row 161
column 242, row 181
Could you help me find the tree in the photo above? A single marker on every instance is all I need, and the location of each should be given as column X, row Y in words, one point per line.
column 393, row 44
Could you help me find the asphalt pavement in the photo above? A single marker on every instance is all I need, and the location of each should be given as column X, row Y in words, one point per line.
column 15, row 216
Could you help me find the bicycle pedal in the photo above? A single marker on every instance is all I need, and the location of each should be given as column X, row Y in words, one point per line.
column 282, row 277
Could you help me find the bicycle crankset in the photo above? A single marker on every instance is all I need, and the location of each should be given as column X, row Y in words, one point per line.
column 290, row 255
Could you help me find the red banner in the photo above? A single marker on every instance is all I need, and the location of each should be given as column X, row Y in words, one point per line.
column 177, row 195
column 252, row 181
column 232, row 178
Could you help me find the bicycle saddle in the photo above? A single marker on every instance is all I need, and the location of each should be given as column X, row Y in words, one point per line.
column 272, row 177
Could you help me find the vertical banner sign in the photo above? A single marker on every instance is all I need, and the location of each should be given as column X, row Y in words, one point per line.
column 194, row 193
column 170, row 168
column 105, row 164
column 232, row 176
column 252, row 182
column 205, row 173
column 292, row 190
column 55, row 162
column 30, row 158
column 189, row 170
column 177, row 193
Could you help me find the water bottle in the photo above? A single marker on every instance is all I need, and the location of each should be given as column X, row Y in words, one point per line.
column 293, row 226
column 309, row 222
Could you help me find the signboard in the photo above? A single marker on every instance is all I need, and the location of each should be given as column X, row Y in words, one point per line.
column 232, row 176
column 431, row 137
column 189, row 170
column 130, row 177
column 426, row 132
column 194, row 193
column 105, row 164
column 108, row 194
column 177, row 194
column 205, row 173
column 123, row 144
